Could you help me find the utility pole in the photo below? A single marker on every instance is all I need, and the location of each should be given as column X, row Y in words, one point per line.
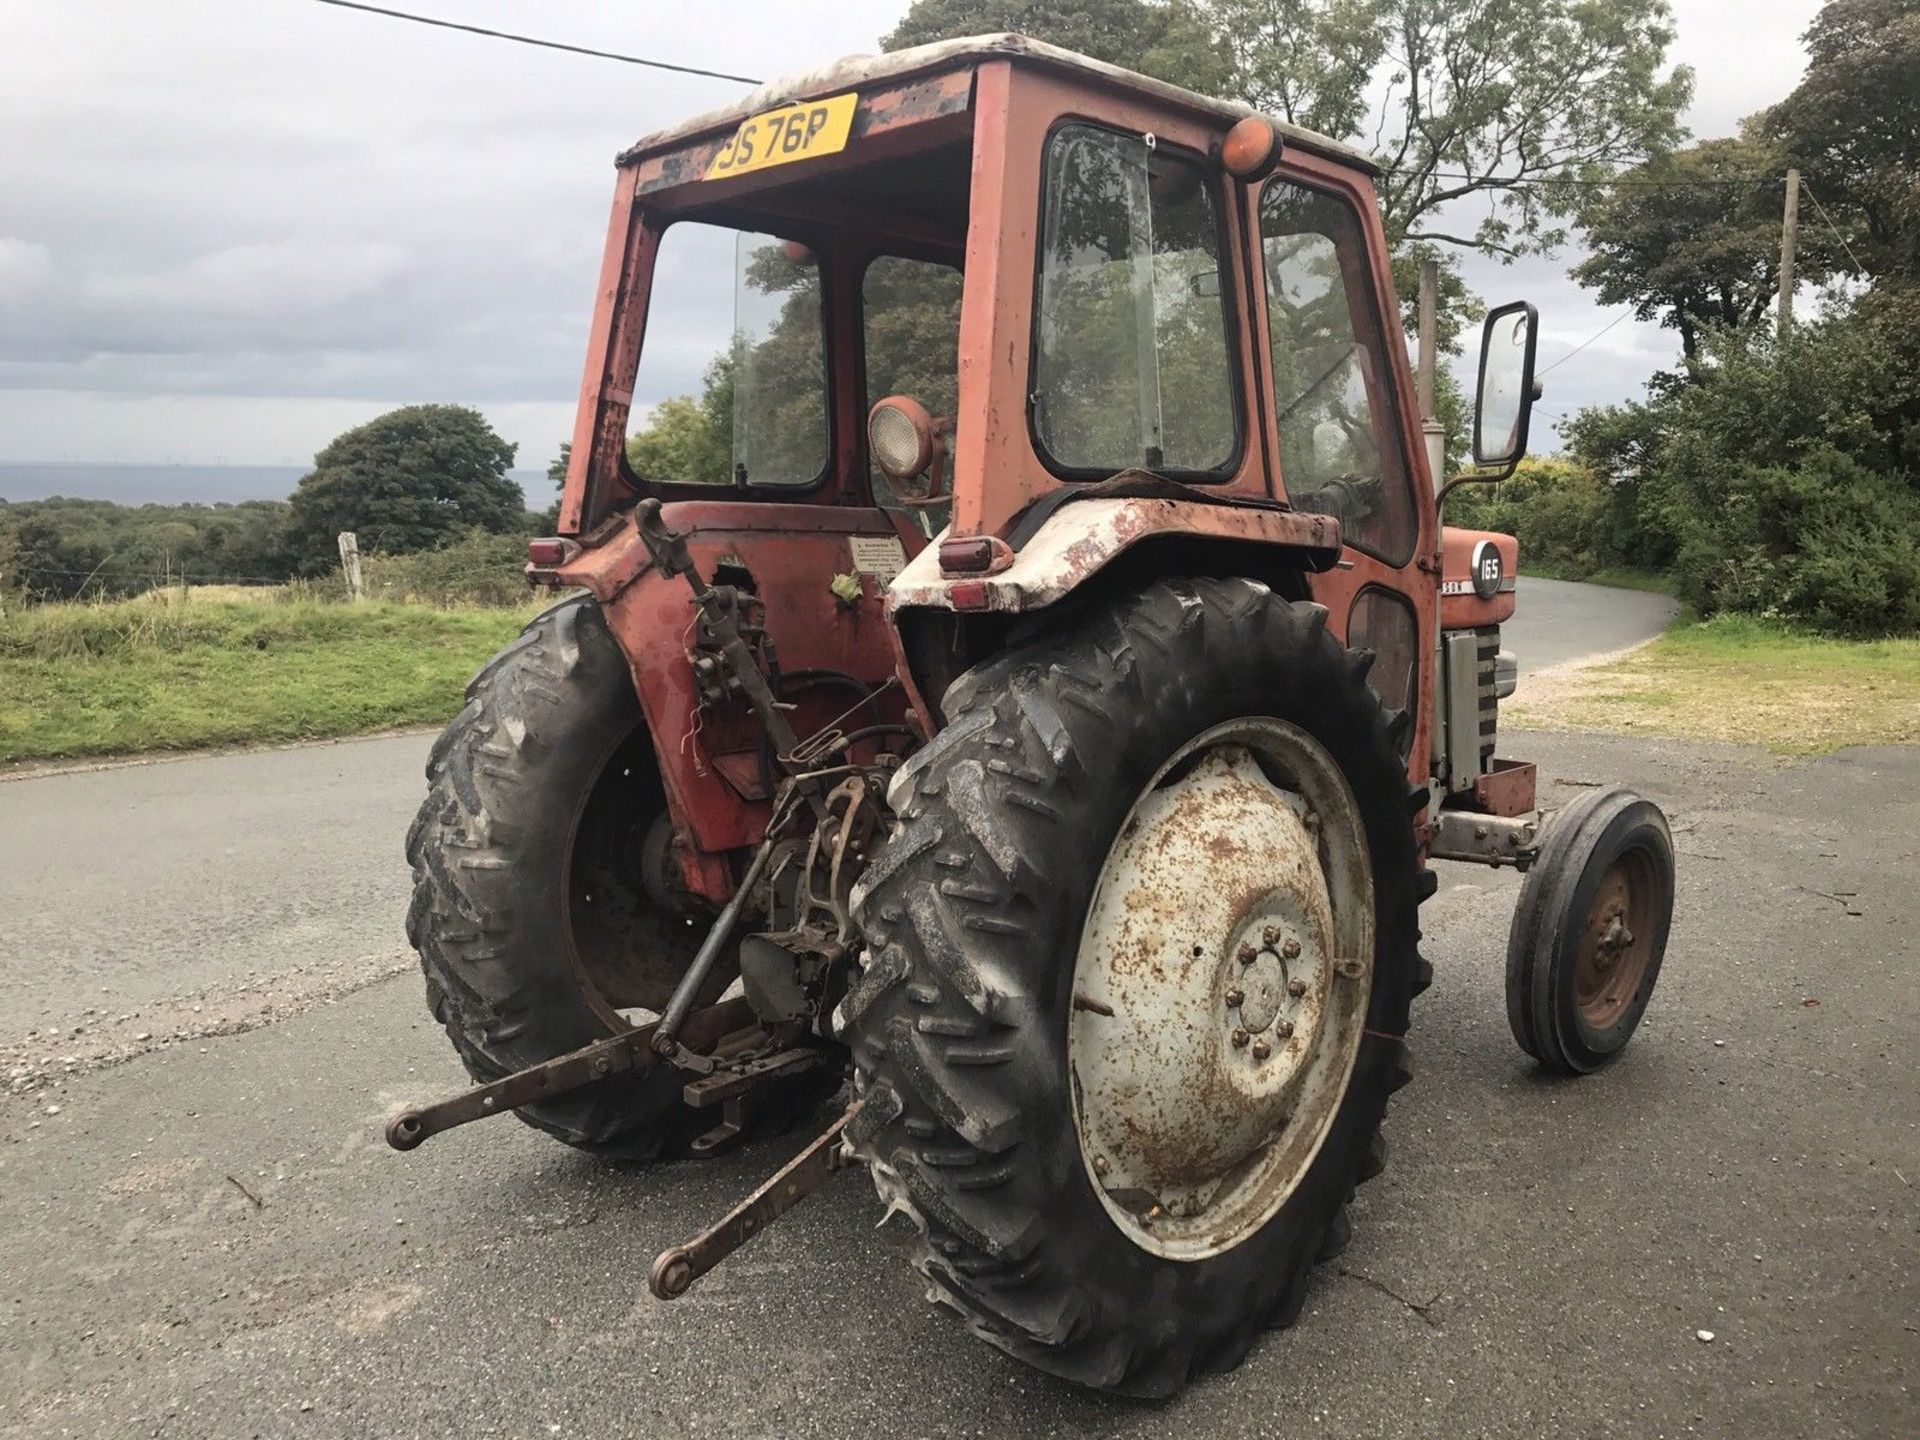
column 1789, row 243
column 1430, row 426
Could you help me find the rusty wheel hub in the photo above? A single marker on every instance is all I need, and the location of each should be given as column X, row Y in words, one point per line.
column 1221, row 987
column 1616, row 945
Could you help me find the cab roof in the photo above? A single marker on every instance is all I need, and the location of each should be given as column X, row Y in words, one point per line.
column 860, row 71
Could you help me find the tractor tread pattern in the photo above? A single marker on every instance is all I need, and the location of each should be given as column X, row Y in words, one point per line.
column 948, row 1022
column 472, row 916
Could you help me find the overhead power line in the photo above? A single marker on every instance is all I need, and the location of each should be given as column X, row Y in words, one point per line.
column 536, row 40
column 1833, row 227
column 1616, row 182
column 1584, row 343
column 1525, row 183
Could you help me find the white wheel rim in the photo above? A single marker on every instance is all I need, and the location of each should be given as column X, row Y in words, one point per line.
column 1221, row 987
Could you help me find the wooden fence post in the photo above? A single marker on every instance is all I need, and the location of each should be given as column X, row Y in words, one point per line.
column 350, row 565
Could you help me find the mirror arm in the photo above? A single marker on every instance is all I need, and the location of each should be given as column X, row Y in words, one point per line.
column 1473, row 477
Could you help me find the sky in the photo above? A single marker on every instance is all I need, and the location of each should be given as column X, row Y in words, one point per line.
column 230, row 229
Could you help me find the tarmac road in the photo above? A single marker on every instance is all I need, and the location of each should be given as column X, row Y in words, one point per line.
column 1558, row 622
column 209, row 1238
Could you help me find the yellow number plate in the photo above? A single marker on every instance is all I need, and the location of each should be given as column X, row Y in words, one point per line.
column 793, row 132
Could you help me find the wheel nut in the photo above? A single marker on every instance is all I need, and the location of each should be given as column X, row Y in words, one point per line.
column 1291, row 950
column 1099, row 1164
column 1247, row 954
column 1261, row 1050
column 1239, row 1039
column 1235, row 998
column 1296, row 988
column 1283, row 1028
column 1271, row 935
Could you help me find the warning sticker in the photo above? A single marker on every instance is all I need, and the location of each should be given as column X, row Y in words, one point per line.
column 881, row 555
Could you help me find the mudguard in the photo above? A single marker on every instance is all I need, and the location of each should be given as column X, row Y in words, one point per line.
column 1076, row 541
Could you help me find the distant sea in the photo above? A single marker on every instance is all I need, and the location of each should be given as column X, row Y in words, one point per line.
column 183, row 484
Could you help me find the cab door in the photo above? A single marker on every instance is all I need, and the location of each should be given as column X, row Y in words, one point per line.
column 1334, row 361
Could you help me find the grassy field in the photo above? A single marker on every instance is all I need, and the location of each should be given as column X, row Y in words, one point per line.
column 167, row 674
column 231, row 666
column 1741, row 679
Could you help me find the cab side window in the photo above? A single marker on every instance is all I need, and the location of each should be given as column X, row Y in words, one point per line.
column 1340, row 451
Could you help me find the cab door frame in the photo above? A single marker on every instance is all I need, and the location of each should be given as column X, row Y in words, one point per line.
column 1415, row 580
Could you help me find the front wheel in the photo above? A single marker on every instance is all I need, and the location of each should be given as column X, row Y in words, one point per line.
column 1590, row 931
column 1139, row 961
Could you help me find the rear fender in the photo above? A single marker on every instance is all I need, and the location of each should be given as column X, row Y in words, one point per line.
column 944, row 622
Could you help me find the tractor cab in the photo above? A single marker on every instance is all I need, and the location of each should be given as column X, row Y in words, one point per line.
column 1066, row 320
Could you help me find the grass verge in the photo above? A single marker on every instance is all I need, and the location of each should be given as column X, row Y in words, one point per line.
column 1735, row 678
column 116, row 679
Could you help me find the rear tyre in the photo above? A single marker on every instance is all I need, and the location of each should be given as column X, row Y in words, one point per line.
column 534, row 926
column 977, row 1023
column 1590, row 931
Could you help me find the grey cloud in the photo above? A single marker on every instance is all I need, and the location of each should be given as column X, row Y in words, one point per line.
column 213, row 208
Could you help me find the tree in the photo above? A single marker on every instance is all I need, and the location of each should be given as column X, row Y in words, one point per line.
column 1514, row 105
column 1509, row 102
column 68, row 548
column 548, row 520
column 1853, row 126
column 1170, row 41
column 409, row 480
column 688, row 440
column 1692, row 239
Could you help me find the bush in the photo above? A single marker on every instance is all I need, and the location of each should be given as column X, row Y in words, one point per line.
column 476, row 568
column 1778, row 478
column 1827, row 542
column 1785, row 477
column 1570, row 522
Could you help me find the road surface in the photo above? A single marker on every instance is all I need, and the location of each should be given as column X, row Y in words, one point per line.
column 1559, row 622
column 209, row 1238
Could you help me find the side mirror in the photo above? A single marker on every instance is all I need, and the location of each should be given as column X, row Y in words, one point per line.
column 1504, row 403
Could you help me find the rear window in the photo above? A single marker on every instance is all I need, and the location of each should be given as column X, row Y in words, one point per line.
column 733, row 372
column 910, row 312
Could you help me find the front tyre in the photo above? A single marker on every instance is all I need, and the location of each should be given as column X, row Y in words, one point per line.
column 1139, row 958
column 1590, row 931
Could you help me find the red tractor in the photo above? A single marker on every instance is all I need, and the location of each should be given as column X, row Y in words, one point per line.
column 1029, row 684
